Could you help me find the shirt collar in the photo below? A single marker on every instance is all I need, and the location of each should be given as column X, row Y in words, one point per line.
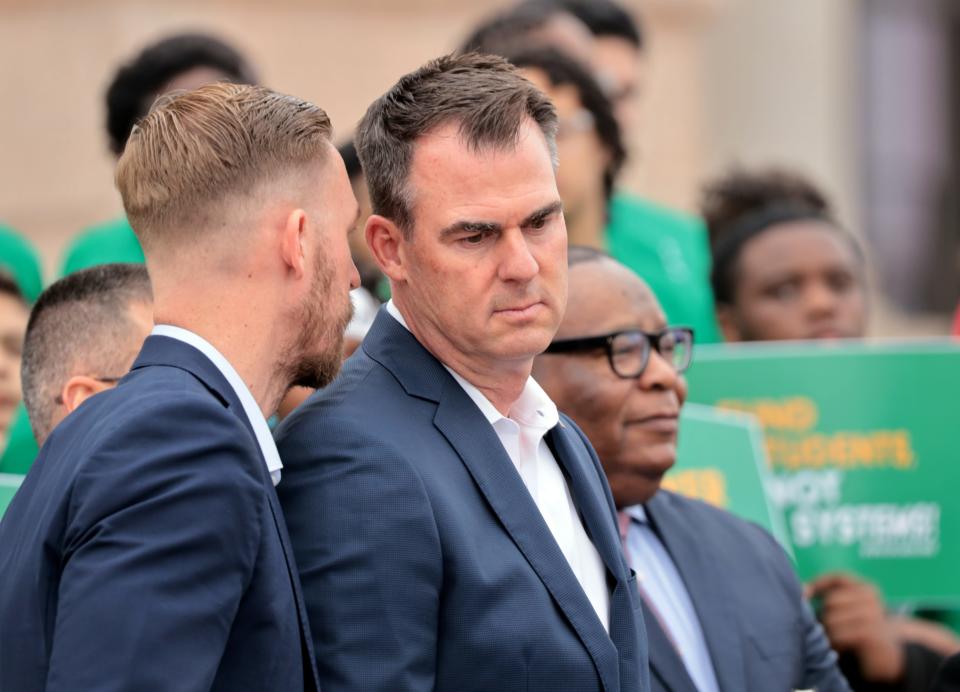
column 637, row 513
column 533, row 408
column 250, row 408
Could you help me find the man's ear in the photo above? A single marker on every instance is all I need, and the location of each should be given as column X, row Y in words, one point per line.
column 387, row 245
column 79, row 388
column 726, row 318
column 293, row 238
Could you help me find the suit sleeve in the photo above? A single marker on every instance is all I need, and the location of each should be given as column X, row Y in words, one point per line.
column 160, row 547
column 820, row 669
column 369, row 555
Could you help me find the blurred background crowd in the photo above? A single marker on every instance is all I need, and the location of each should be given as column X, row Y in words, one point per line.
column 688, row 129
column 859, row 96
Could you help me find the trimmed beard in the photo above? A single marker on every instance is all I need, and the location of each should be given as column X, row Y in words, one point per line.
column 314, row 358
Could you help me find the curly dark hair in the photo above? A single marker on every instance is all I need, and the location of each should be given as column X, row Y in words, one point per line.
column 741, row 204
column 134, row 87
column 508, row 30
column 729, row 198
column 9, row 287
column 606, row 18
column 563, row 70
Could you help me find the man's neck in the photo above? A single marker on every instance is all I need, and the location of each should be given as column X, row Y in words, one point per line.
column 243, row 344
column 500, row 381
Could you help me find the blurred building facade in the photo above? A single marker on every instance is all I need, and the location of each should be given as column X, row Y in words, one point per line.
column 806, row 84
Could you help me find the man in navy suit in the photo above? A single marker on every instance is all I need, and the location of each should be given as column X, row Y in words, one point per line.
column 146, row 549
column 454, row 532
column 723, row 607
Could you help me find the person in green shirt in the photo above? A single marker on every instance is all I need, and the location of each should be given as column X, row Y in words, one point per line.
column 20, row 260
column 667, row 249
column 13, row 324
column 21, row 449
column 180, row 62
column 783, row 267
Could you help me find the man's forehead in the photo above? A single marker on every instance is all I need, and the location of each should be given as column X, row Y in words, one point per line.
column 603, row 292
column 451, row 136
column 455, row 178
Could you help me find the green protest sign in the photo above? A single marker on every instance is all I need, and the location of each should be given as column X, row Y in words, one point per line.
column 9, row 482
column 863, row 450
column 721, row 459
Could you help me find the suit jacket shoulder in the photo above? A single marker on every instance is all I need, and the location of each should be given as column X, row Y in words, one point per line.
column 760, row 631
column 426, row 565
column 144, row 530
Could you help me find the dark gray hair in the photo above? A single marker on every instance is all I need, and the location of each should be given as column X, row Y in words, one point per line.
column 81, row 324
column 483, row 93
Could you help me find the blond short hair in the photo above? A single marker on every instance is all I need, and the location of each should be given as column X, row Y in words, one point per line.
column 195, row 150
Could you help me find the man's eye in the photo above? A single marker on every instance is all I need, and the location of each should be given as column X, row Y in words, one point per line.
column 474, row 239
column 539, row 222
column 840, row 282
column 783, row 291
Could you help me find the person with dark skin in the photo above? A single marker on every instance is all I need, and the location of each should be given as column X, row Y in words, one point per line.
column 785, row 269
column 616, row 368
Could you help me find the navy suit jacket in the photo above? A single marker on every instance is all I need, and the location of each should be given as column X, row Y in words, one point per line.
column 146, row 549
column 761, row 634
column 425, row 562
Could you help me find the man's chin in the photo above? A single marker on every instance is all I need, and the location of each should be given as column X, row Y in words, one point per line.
column 319, row 371
column 526, row 343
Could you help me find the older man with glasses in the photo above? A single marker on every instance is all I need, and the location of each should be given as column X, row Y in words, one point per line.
column 722, row 605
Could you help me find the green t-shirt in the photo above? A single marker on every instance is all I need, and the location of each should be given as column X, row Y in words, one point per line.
column 20, row 259
column 21, row 448
column 104, row 243
column 670, row 251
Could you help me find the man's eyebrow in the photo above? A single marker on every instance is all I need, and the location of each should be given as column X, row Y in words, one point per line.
column 470, row 227
column 541, row 214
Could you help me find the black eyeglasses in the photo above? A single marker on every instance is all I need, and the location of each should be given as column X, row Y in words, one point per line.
column 629, row 351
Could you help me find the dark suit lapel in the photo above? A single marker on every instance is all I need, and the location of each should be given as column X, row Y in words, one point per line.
column 665, row 662
column 162, row 350
column 473, row 438
column 594, row 511
column 470, row 434
column 714, row 606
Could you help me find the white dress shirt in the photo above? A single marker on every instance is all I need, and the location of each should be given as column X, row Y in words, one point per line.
column 259, row 424
column 522, row 435
column 660, row 583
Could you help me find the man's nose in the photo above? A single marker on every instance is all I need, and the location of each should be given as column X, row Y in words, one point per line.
column 820, row 299
column 659, row 373
column 517, row 262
